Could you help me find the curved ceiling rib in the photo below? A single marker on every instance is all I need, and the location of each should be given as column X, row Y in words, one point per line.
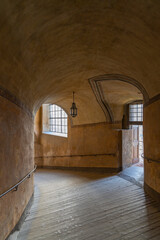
column 97, row 85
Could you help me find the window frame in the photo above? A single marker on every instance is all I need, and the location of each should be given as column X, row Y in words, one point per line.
column 57, row 121
column 138, row 114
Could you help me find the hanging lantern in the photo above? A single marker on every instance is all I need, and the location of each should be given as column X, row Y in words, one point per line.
column 73, row 109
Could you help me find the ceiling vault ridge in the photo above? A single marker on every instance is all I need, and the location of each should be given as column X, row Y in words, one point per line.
column 98, row 96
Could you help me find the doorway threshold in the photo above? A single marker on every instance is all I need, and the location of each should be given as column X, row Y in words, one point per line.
column 133, row 174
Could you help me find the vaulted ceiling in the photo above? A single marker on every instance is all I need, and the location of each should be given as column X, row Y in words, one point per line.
column 50, row 48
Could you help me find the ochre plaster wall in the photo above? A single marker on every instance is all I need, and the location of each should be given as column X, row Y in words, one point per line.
column 152, row 145
column 16, row 160
column 92, row 145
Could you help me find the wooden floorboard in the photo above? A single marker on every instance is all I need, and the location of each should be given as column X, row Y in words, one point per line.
column 72, row 205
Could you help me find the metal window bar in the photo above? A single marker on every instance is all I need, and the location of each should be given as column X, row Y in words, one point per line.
column 57, row 119
column 136, row 112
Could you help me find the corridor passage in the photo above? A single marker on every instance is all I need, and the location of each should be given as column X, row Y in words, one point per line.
column 72, row 205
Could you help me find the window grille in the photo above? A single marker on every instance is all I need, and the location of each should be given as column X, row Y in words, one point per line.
column 57, row 120
column 136, row 112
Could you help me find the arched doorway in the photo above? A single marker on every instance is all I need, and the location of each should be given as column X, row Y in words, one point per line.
column 118, row 95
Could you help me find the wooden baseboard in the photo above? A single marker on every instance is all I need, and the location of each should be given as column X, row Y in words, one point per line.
column 85, row 169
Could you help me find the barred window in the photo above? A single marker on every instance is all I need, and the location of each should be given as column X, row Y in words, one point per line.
column 136, row 112
column 57, row 120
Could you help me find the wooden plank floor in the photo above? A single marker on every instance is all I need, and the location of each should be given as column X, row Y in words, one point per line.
column 81, row 206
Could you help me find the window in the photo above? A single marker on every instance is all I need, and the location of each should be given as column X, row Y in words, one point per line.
column 58, row 120
column 136, row 113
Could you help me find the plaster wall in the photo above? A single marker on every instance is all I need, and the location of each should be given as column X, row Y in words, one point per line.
column 16, row 160
column 152, row 145
column 91, row 145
